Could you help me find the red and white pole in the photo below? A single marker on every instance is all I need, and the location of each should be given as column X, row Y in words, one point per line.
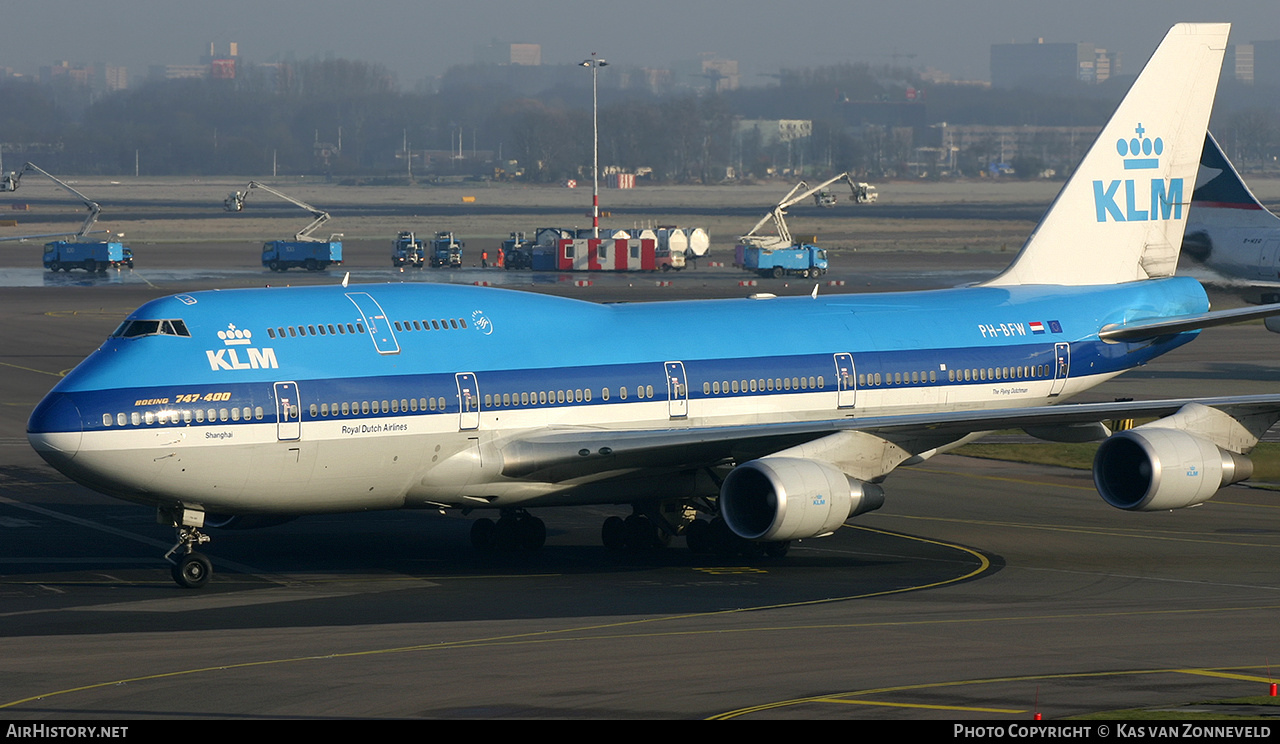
column 595, row 65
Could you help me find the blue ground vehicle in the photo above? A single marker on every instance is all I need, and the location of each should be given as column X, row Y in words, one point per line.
column 446, row 251
column 304, row 251
column 407, row 250
column 804, row 260
column 782, row 255
column 65, row 255
column 312, row 255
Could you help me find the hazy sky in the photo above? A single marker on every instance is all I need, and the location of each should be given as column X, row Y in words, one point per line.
column 419, row 38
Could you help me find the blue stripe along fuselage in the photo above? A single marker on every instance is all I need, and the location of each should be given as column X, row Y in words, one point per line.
column 516, row 341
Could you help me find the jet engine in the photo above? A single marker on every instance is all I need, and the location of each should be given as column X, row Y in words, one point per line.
column 786, row 498
column 1153, row 469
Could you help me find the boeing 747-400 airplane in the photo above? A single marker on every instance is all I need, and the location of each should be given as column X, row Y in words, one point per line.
column 263, row 404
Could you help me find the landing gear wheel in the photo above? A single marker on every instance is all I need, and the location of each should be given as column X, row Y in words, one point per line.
column 720, row 537
column 531, row 533
column 641, row 533
column 504, row 534
column 697, row 536
column 482, row 534
column 192, row 571
column 514, row 531
column 614, row 533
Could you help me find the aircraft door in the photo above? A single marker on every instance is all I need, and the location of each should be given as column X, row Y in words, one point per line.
column 677, row 390
column 1061, row 366
column 288, row 412
column 375, row 320
column 846, row 381
column 468, row 401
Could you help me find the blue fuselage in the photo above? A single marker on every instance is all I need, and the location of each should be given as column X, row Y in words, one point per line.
column 381, row 396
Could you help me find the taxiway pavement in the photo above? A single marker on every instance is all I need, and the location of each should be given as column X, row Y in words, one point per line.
column 979, row 589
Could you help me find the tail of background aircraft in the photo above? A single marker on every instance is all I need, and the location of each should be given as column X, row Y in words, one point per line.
column 1121, row 215
column 1231, row 232
column 1221, row 196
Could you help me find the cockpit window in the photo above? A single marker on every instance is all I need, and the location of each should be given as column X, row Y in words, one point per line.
column 136, row 328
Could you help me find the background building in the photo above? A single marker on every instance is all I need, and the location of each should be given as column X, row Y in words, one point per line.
column 1031, row 65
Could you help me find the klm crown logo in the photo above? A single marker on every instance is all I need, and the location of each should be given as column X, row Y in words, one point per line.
column 1141, row 148
column 235, row 337
column 1165, row 200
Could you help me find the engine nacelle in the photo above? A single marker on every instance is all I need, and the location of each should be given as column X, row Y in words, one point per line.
column 786, row 498
column 1153, row 469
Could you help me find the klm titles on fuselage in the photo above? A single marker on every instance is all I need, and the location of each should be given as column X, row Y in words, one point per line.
column 1162, row 200
column 228, row 358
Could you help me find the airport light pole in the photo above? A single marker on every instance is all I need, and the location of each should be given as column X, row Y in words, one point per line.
column 595, row 64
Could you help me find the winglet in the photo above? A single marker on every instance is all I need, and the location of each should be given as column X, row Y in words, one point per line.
column 1121, row 215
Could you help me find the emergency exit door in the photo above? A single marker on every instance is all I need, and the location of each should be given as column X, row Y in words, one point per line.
column 288, row 412
column 677, row 390
column 846, row 386
column 468, row 401
column 1061, row 367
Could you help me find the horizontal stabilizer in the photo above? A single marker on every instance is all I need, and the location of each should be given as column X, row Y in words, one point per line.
column 1167, row 326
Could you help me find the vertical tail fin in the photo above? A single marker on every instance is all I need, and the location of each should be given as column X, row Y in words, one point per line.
column 1228, row 229
column 1121, row 215
column 1221, row 196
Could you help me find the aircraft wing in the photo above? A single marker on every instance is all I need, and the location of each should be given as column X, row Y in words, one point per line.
column 1169, row 325
column 579, row 452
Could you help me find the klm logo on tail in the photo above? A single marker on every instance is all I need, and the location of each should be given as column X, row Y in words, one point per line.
column 1165, row 198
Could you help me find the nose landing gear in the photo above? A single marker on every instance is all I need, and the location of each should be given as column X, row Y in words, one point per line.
column 191, row 569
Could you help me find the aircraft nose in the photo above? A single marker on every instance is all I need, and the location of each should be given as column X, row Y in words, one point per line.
column 55, row 429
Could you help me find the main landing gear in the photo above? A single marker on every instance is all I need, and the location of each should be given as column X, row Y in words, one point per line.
column 715, row 537
column 650, row 526
column 648, row 529
column 636, row 532
column 516, row 530
column 190, row 569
